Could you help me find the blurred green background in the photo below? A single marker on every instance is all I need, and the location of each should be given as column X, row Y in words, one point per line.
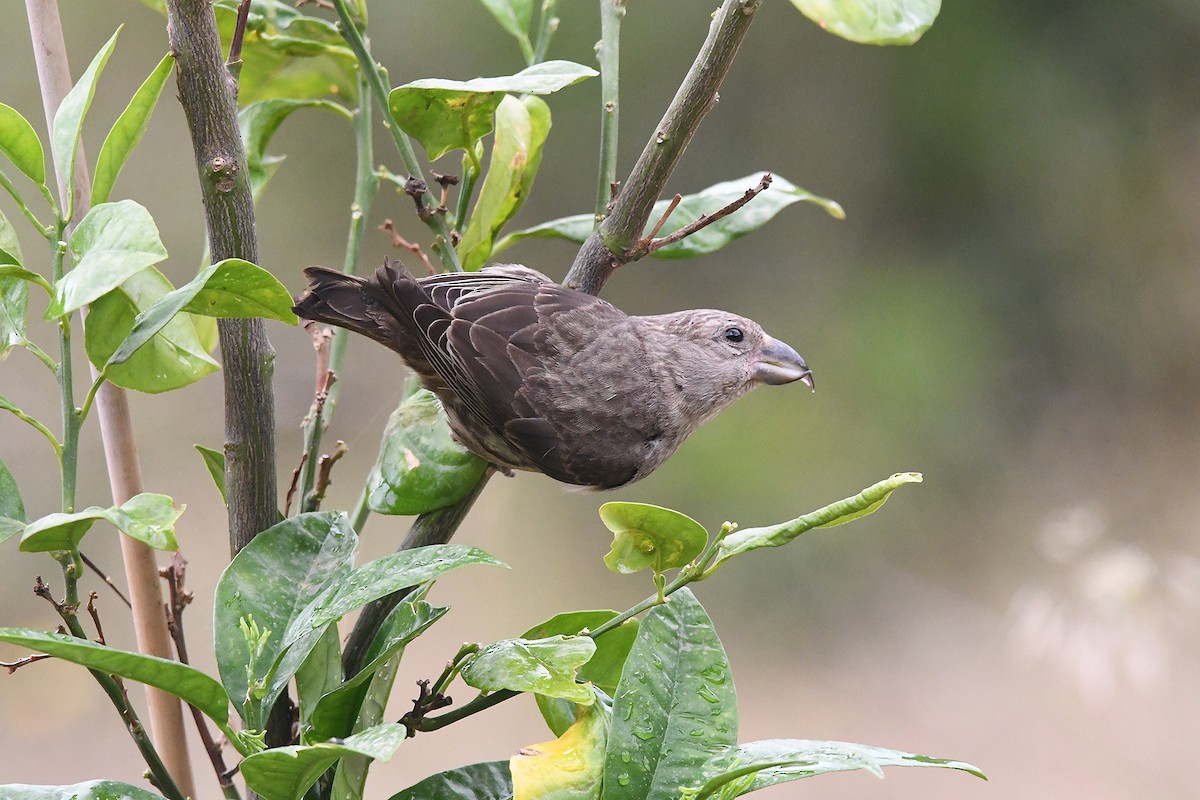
column 1011, row 308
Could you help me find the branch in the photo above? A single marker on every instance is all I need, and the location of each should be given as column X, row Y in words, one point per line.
column 436, row 527
column 609, row 245
column 649, row 244
column 116, row 431
column 207, row 94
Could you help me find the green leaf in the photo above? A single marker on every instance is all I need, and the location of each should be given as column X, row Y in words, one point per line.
column 420, row 467
column 113, row 242
column 602, row 670
column 335, row 713
column 285, row 773
column 12, row 507
column 750, row 217
column 173, row 356
column 10, row 248
column 521, row 130
column 569, row 767
column 650, row 536
column 127, row 130
column 287, row 53
column 757, row 765
column 612, row 648
column 546, row 666
column 259, row 121
column 487, row 780
column 445, row 115
column 873, row 21
column 147, row 517
column 513, row 15
column 187, row 683
column 320, row 674
column 235, row 288
column 20, row 144
column 675, row 707
column 273, row 579
column 14, row 290
column 92, row 790
column 296, row 579
column 851, row 508
column 68, row 120
column 214, row 461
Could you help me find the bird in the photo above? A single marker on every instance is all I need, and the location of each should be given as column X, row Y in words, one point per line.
column 537, row 376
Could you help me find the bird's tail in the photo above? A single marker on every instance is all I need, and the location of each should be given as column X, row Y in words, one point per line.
column 348, row 301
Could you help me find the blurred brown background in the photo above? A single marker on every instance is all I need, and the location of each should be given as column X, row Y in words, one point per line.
column 1010, row 308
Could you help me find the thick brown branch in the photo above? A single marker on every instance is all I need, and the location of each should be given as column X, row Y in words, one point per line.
column 610, row 245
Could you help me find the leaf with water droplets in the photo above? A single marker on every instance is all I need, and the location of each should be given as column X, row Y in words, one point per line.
column 676, row 682
column 567, row 767
column 650, row 536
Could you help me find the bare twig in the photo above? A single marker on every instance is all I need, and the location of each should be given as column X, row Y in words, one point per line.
column 239, row 35
column 611, row 243
column 401, row 243
column 294, row 485
column 313, row 501
column 179, row 599
column 650, row 244
column 13, row 666
column 99, row 572
column 674, row 204
column 95, row 615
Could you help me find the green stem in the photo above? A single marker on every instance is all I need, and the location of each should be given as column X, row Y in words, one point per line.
column 45, row 230
column 37, row 425
column 547, row 23
column 358, row 519
column 69, row 454
column 41, row 355
column 101, row 377
column 374, row 77
column 611, row 13
column 465, row 189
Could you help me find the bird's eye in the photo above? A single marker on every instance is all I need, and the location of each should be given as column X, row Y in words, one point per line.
column 734, row 335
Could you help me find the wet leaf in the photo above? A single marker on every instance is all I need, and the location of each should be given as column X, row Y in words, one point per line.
column 567, row 768
column 420, row 467
column 546, row 666
column 285, row 773
column 873, row 21
column 650, row 536
column 147, row 517
column 675, row 707
column 487, row 780
column 92, row 790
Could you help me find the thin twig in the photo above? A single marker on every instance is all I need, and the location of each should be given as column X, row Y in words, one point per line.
column 291, row 492
column 105, row 578
column 13, row 666
column 674, row 204
column 179, row 599
column 239, row 35
column 401, row 243
column 651, row 244
column 95, row 615
column 312, row 501
column 314, row 423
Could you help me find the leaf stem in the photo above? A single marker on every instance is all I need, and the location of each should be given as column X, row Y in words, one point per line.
column 611, row 14
column 101, row 377
column 44, row 230
column 36, row 423
column 375, row 79
column 41, row 355
column 547, row 23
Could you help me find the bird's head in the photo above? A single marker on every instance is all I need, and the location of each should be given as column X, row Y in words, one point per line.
column 720, row 356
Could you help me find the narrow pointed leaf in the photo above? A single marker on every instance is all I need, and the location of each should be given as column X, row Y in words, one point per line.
column 335, row 712
column 445, row 115
column 513, row 15
column 487, row 780
column 420, row 467
column 172, row 357
column 113, row 242
column 19, row 142
column 259, row 121
column 181, row 680
column 127, row 131
column 851, row 508
column 757, row 765
column 675, row 707
column 214, row 462
column 68, row 120
column 750, row 217
column 546, row 666
column 873, row 21
column 285, row 773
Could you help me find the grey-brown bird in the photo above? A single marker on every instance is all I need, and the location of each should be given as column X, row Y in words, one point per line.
column 537, row 376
